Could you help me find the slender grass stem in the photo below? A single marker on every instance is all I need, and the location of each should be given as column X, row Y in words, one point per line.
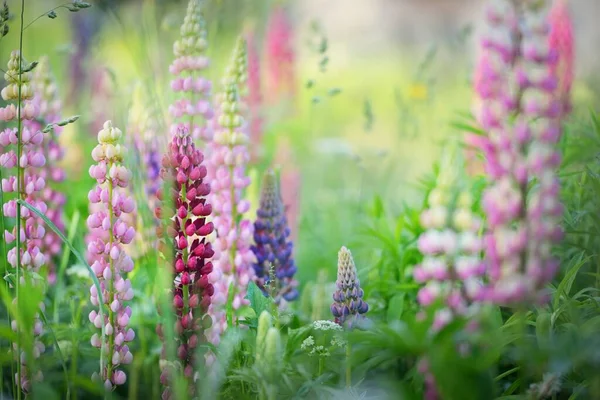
column 110, row 294
column 21, row 193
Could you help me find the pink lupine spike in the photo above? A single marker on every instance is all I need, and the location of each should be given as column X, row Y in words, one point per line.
column 522, row 120
column 281, row 56
column 49, row 106
column 193, row 109
column 105, row 253
column 192, row 291
column 561, row 41
column 32, row 233
column 227, row 173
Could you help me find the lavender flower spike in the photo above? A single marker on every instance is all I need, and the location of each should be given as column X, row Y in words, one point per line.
column 273, row 249
column 348, row 300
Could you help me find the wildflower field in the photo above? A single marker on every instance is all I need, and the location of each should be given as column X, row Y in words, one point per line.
column 201, row 201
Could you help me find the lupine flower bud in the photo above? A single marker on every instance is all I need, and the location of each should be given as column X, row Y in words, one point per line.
column 521, row 116
column 105, row 252
column 30, row 188
column 348, row 304
column 193, row 108
column 264, row 324
column 272, row 247
column 273, row 350
column 227, row 176
column 187, row 233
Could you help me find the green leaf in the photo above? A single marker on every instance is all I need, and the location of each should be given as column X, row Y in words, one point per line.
column 310, row 83
column 564, row 287
column 258, row 301
column 52, row 14
column 81, row 259
column 58, row 350
column 396, row 307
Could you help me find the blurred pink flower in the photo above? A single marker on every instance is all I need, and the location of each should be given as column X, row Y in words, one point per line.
column 561, row 40
column 281, row 56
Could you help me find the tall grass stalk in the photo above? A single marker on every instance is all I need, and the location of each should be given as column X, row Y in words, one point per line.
column 20, row 185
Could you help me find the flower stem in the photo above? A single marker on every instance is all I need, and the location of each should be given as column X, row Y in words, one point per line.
column 348, row 366
column 20, row 190
column 110, row 294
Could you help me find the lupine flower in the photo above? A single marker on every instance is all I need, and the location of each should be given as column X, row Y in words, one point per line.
column 280, row 55
column 348, row 304
column 185, row 209
column 254, row 100
column 31, row 159
column 227, row 167
column 452, row 267
column 49, row 105
column 193, row 108
column 561, row 41
column 521, row 116
column 110, row 262
column 272, row 248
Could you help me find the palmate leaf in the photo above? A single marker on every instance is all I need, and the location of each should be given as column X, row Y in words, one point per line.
column 81, row 259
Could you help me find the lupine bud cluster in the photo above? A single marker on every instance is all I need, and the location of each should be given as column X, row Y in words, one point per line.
column 110, row 262
column 27, row 185
column 452, row 267
column 272, row 248
column 184, row 210
column 229, row 156
column 561, row 40
column 348, row 304
column 521, row 116
column 254, row 99
column 194, row 107
column 280, row 55
column 47, row 101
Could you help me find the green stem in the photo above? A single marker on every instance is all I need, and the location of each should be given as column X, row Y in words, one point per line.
column 46, row 13
column 348, row 366
column 20, row 190
column 110, row 295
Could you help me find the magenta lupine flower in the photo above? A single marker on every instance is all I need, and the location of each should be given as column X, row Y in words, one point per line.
column 47, row 101
column 229, row 156
column 254, row 100
column 521, row 116
column 182, row 167
column 193, row 108
column 561, row 40
column 348, row 304
column 31, row 159
column 110, row 262
column 281, row 57
column 273, row 248
column 452, row 267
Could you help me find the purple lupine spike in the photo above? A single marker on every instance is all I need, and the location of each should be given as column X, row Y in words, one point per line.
column 32, row 159
column 522, row 119
column 348, row 304
column 183, row 166
column 272, row 248
column 110, row 262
